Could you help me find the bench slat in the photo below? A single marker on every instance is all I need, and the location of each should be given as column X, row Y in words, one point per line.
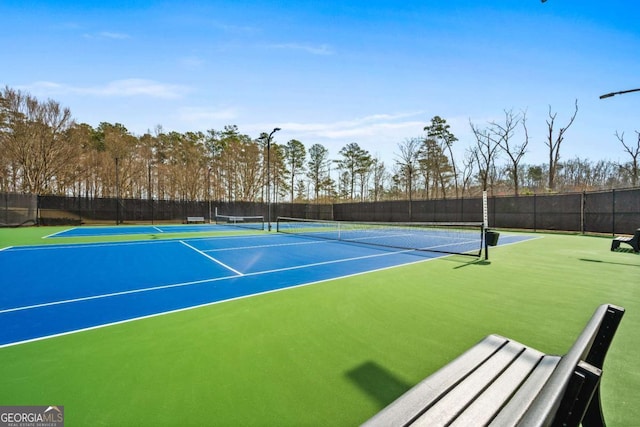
column 494, row 398
column 521, row 401
column 454, row 402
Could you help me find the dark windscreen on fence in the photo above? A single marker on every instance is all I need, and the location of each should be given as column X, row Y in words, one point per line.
column 441, row 210
column 18, row 209
column 614, row 211
column 558, row 212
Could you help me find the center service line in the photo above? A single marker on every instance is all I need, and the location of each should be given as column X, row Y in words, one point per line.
column 212, row 258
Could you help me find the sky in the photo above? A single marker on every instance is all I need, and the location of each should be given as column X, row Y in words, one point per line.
column 335, row 72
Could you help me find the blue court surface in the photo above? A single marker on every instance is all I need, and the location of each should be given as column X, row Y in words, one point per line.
column 57, row 289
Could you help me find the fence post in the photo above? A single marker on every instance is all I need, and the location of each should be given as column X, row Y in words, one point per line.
column 37, row 209
column 535, row 213
column 582, row 212
column 613, row 211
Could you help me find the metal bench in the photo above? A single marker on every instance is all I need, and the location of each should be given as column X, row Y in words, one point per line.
column 632, row 241
column 195, row 219
column 501, row 382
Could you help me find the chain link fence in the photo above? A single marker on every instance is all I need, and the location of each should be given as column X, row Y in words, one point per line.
column 18, row 209
column 614, row 211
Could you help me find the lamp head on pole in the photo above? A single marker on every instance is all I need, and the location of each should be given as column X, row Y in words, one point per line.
column 271, row 134
column 622, row 92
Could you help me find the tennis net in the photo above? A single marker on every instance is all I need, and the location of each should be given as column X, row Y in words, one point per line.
column 465, row 238
column 255, row 222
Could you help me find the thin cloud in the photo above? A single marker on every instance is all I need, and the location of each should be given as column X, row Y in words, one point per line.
column 360, row 127
column 191, row 62
column 139, row 87
column 107, row 35
column 117, row 36
column 116, row 88
column 322, row 49
column 197, row 114
column 236, row 29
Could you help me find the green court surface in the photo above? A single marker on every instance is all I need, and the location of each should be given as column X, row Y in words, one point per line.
column 336, row 352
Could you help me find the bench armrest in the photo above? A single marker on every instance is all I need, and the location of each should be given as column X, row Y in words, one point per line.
column 591, row 346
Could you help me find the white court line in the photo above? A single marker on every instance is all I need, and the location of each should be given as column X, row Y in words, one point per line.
column 4, row 249
column 212, row 258
column 160, row 230
column 196, row 282
column 120, row 322
column 58, row 232
column 273, row 245
column 133, row 242
column 149, row 316
column 113, row 294
column 91, row 245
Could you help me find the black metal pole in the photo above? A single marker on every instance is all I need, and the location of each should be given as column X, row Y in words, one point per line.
column 269, row 182
column 117, row 195
column 209, row 191
column 486, row 243
column 613, row 212
column 269, row 177
column 150, row 192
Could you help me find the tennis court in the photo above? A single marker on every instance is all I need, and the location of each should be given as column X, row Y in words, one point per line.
column 374, row 321
column 79, row 286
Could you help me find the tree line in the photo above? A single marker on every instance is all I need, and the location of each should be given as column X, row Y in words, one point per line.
column 45, row 151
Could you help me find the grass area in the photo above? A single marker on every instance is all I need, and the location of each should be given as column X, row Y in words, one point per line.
column 336, row 352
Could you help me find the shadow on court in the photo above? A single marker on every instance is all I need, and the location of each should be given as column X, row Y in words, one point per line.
column 475, row 262
column 378, row 383
column 609, row 262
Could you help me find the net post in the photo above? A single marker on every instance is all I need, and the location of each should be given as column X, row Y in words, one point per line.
column 485, row 224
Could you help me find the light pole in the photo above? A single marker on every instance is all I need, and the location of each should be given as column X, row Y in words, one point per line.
column 117, row 195
column 209, row 191
column 609, row 95
column 150, row 192
column 269, row 177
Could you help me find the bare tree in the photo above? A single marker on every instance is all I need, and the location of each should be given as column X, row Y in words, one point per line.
column 468, row 168
column 408, row 162
column 36, row 141
column 515, row 152
column 379, row 177
column 632, row 167
column 554, row 142
column 485, row 153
